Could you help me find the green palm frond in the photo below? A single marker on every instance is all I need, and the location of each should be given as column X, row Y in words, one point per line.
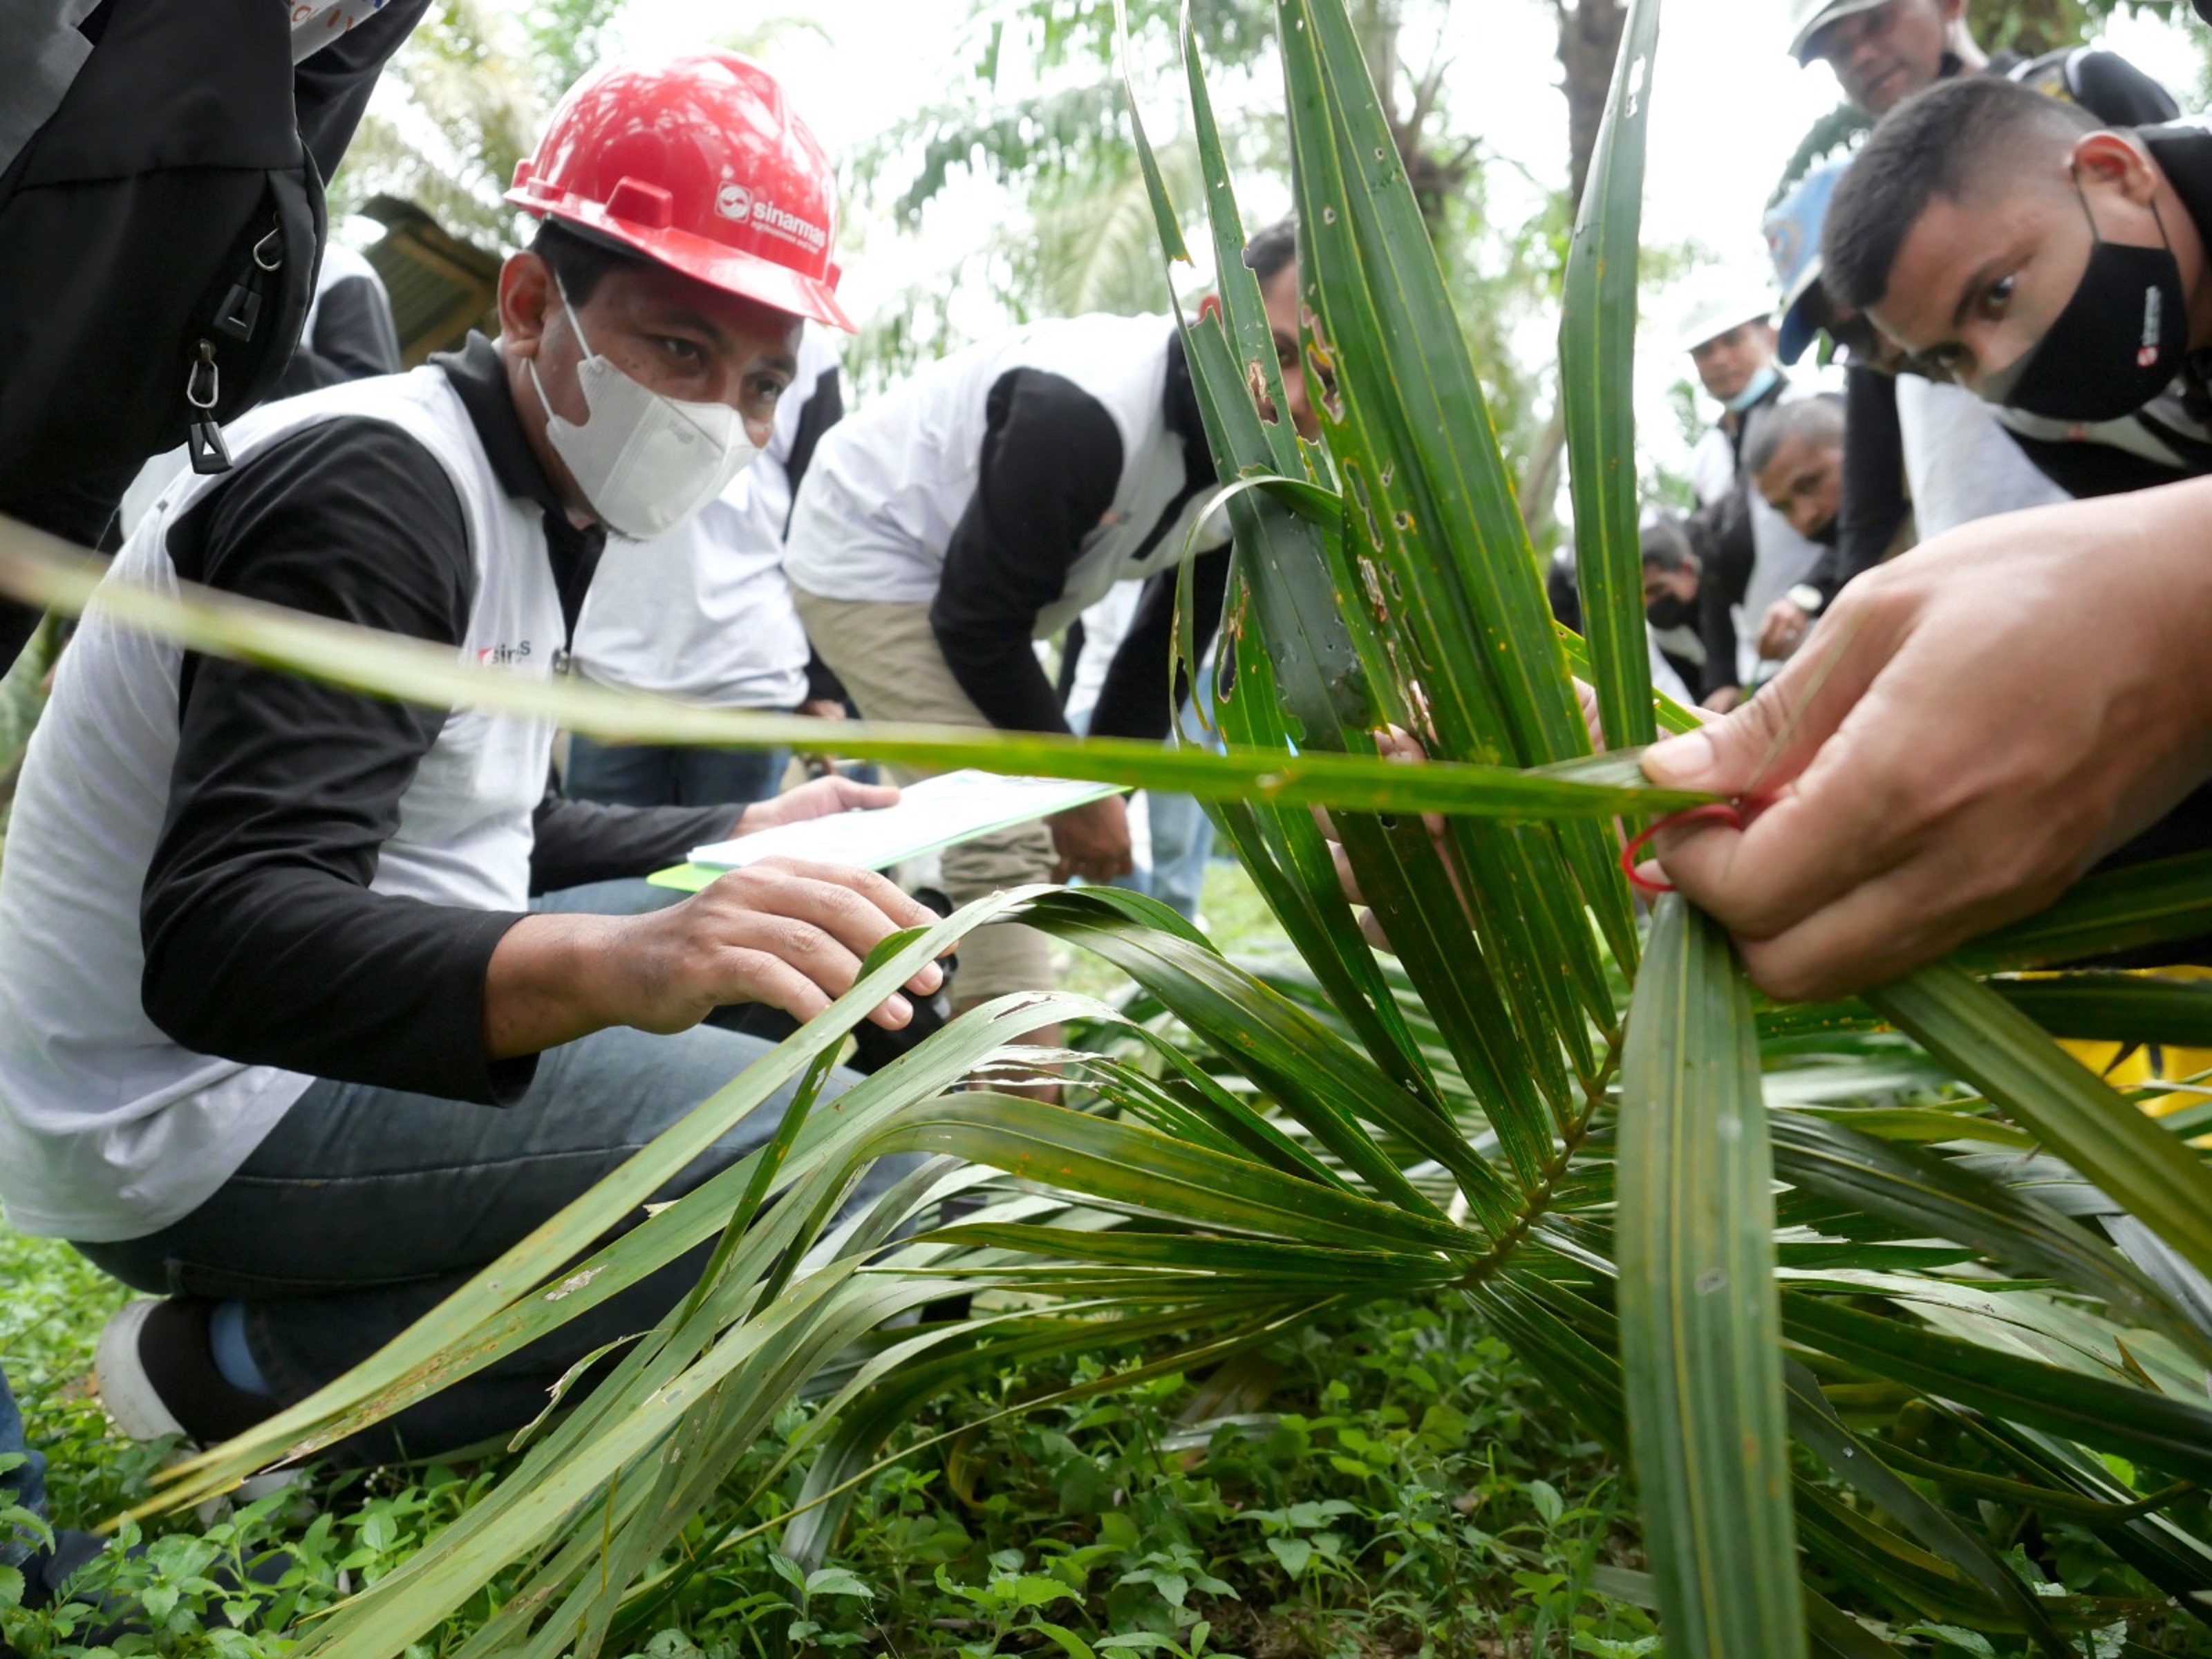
column 1871, row 1298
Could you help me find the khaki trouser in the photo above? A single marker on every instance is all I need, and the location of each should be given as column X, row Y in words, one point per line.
column 894, row 669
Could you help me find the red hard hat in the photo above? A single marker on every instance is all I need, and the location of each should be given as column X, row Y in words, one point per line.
column 699, row 164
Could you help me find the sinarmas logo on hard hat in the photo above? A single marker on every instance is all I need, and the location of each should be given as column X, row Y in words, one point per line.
column 805, row 232
column 736, row 201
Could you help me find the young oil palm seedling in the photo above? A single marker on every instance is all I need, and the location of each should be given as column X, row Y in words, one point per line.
column 1895, row 1312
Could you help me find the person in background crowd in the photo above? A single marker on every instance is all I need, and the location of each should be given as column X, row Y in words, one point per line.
column 349, row 334
column 1677, row 652
column 986, row 504
column 1884, row 52
column 1752, row 556
column 2000, row 709
column 1672, row 572
column 338, row 49
column 2008, row 243
column 704, row 615
column 1794, row 456
column 303, row 954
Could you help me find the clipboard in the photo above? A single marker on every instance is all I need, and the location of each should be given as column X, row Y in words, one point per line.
column 936, row 813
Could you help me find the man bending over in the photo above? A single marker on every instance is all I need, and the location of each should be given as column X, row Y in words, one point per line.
column 2007, row 242
column 985, row 505
column 1795, row 458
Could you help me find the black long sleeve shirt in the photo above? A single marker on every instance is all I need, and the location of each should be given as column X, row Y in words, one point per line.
column 264, row 943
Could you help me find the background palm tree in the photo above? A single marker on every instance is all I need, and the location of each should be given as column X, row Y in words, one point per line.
column 472, row 86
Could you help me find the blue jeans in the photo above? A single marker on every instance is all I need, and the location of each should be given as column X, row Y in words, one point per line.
column 23, row 1486
column 365, row 1207
column 1182, row 835
column 637, row 774
column 1182, row 843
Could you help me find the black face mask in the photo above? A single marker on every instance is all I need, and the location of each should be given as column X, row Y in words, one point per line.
column 1669, row 612
column 2116, row 346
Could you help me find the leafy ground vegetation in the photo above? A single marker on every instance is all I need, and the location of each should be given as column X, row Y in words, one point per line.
column 1898, row 1279
column 1390, row 1483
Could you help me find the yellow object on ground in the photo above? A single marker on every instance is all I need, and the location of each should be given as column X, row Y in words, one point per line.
column 2146, row 1065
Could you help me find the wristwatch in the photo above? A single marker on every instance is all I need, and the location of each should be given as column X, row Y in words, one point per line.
column 1807, row 598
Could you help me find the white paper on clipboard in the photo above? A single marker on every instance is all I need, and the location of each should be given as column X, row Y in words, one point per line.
column 937, row 812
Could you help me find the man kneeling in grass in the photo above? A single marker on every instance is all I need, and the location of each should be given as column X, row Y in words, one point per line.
column 284, row 1039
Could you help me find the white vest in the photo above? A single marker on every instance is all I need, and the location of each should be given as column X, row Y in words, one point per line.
column 878, row 505
column 109, row 1130
column 1960, row 465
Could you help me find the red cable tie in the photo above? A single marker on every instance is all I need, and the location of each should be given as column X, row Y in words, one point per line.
column 1728, row 812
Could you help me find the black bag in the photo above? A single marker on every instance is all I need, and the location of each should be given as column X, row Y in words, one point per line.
column 159, row 239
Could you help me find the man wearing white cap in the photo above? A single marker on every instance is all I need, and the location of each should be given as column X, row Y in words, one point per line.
column 1752, row 555
column 1884, row 51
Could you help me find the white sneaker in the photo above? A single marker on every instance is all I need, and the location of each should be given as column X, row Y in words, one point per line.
column 118, row 1371
column 136, row 1406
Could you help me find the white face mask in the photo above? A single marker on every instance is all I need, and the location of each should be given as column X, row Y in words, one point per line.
column 646, row 462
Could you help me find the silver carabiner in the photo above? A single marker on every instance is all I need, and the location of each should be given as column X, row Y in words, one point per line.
column 206, row 366
column 276, row 257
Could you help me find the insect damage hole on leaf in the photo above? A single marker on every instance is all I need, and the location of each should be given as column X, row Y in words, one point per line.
column 1256, row 379
column 1373, row 584
column 1332, row 400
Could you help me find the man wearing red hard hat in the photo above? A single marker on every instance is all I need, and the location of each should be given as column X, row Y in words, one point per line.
column 314, row 1055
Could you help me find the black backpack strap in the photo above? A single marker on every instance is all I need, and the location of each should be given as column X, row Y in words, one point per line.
column 158, row 243
column 206, row 85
